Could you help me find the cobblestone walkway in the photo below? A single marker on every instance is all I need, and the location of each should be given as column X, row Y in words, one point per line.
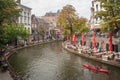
column 5, row 76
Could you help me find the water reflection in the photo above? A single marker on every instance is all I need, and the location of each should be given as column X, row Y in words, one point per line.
column 52, row 62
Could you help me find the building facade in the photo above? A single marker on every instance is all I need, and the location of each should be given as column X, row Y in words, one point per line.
column 25, row 16
column 50, row 18
column 94, row 19
column 50, row 22
column 34, row 24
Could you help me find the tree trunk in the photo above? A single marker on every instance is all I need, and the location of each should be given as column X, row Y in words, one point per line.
column 15, row 42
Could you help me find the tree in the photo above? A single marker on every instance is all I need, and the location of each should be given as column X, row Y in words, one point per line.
column 110, row 15
column 80, row 25
column 22, row 31
column 9, row 11
column 66, row 18
column 41, row 31
column 12, row 32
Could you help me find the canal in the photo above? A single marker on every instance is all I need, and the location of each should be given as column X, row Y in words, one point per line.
column 51, row 62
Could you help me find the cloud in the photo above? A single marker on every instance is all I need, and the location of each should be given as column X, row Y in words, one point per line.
column 40, row 7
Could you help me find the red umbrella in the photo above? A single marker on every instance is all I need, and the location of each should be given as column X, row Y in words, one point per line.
column 110, row 42
column 74, row 38
column 93, row 40
column 82, row 38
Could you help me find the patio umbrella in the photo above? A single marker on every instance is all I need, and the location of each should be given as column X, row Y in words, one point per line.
column 110, row 42
column 93, row 40
column 82, row 38
column 74, row 38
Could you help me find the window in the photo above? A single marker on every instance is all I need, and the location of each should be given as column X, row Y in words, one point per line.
column 97, row 7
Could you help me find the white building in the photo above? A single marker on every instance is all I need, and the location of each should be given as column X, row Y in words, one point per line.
column 94, row 19
column 25, row 16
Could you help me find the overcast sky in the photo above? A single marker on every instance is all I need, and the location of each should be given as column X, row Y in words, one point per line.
column 40, row 7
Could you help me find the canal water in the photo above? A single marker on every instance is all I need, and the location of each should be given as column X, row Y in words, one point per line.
column 51, row 62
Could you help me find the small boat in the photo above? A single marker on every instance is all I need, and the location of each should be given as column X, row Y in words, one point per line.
column 95, row 69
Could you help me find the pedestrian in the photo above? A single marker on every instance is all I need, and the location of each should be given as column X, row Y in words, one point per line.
column 5, row 67
column 97, row 67
column 113, row 56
